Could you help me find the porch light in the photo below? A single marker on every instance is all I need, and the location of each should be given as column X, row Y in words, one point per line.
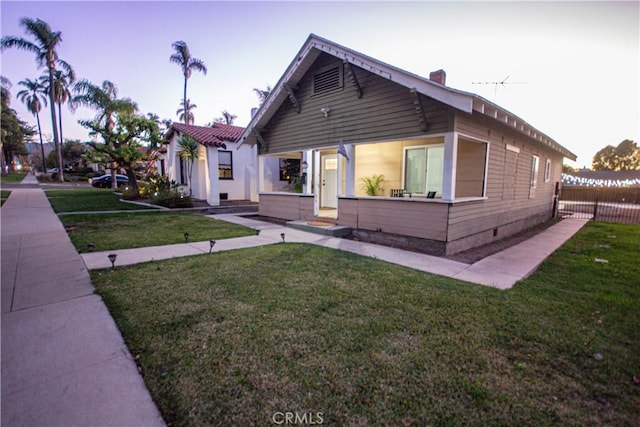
column 112, row 258
column 212, row 243
column 186, row 237
column 282, row 235
column 305, row 165
column 91, row 246
column 325, row 111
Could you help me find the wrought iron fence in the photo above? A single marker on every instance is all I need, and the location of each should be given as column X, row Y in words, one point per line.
column 601, row 204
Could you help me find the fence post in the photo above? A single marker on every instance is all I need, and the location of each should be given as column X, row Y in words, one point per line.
column 556, row 197
column 595, row 206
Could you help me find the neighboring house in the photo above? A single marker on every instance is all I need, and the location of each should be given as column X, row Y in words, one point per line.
column 466, row 171
column 221, row 172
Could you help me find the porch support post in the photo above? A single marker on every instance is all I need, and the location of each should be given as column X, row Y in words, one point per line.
column 261, row 174
column 316, row 182
column 307, row 156
column 350, row 172
column 450, row 164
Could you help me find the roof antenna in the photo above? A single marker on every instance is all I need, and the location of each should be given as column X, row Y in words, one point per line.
column 500, row 83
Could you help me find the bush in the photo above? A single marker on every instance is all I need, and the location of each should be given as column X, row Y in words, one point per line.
column 172, row 199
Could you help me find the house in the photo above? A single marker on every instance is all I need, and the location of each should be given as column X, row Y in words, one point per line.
column 222, row 171
column 462, row 171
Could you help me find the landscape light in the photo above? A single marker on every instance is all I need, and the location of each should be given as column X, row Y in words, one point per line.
column 212, row 243
column 257, row 232
column 91, row 246
column 186, row 236
column 112, row 258
column 282, row 235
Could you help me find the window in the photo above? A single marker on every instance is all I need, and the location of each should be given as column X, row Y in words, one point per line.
column 547, row 171
column 183, row 171
column 423, row 168
column 534, row 171
column 327, row 79
column 225, row 165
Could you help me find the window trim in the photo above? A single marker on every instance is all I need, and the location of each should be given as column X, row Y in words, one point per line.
column 547, row 171
column 404, row 163
column 535, row 167
column 230, row 164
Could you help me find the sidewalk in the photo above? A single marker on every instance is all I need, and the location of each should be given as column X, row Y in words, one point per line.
column 501, row 270
column 64, row 362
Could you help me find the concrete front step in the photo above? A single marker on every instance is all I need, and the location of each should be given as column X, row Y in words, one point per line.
column 319, row 227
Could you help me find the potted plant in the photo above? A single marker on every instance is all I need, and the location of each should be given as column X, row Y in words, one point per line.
column 372, row 185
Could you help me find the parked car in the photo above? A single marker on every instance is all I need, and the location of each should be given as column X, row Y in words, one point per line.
column 104, row 181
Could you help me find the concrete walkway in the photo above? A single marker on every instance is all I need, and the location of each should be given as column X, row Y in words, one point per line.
column 501, row 270
column 64, row 362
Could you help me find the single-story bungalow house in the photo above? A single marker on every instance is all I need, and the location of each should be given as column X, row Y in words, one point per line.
column 223, row 171
column 459, row 171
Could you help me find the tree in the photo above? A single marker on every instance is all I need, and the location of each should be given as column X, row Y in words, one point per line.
column 32, row 97
column 227, row 118
column 104, row 99
column 626, row 156
column 63, row 79
column 123, row 142
column 72, row 152
column 13, row 131
column 186, row 112
column 262, row 93
column 44, row 46
column 188, row 64
column 189, row 151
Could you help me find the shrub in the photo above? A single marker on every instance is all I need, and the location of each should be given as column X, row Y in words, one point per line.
column 172, row 199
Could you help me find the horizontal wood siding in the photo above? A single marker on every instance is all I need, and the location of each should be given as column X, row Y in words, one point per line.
column 425, row 220
column 470, row 168
column 508, row 180
column 284, row 206
column 385, row 112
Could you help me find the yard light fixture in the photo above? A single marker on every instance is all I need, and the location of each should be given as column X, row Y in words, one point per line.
column 186, row 236
column 91, row 246
column 112, row 258
column 282, row 235
column 257, row 232
column 212, row 243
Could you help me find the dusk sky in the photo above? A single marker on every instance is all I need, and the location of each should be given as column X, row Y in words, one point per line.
column 576, row 64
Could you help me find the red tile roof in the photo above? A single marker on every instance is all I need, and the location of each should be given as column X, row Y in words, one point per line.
column 215, row 135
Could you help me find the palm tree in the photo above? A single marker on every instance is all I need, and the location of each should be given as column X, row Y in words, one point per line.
column 63, row 79
column 183, row 58
column 227, row 118
column 186, row 112
column 262, row 93
column 44, row 46
column 104, row 99
column 33, row 97
column 188, row 151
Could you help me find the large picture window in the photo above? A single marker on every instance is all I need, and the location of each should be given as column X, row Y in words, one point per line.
column 423, row 169
column 225, row 164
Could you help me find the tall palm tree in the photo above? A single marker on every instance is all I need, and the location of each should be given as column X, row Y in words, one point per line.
column 104, row 99
column 188, row 64
column 33, row 97
column 227, row 118
column 189, row 151
column 44, row 44
column 262, row 93
column 186, row 112
column 63, row 79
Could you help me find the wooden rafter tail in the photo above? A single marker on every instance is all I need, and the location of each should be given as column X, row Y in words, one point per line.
column 261, row 142
column 352, row 76
column 291, row 93
column 420, row 113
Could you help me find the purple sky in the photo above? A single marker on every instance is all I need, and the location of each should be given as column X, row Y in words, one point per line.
column 580, row 62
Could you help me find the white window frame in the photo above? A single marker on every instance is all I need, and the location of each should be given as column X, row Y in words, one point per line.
column 535, row 165
column 404, row 164
column 547, row 171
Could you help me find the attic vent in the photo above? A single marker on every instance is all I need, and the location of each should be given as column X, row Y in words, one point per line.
column 327, row 80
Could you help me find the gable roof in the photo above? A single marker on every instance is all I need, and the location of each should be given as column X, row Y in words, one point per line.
column 460, row 100
column 215, row 135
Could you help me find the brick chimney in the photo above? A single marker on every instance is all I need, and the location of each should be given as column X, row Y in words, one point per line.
column 438, row 76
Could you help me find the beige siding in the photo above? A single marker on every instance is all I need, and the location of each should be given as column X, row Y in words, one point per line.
column 385, row 112
column 508, row 181
column 422, row 219
column 286, row 206
column 470, row 168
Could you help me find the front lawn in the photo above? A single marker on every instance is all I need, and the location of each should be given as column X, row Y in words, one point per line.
column 141, row 229
column 243, row 337
column 12, row 177
column 4, row 195
column 88, row 200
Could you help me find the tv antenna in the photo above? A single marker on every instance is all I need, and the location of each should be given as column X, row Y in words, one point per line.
column 502, row 83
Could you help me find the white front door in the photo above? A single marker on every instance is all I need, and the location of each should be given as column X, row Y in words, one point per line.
column 329, row 181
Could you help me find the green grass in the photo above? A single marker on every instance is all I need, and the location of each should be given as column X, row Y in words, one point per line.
column 13, row 177
column 87, row 200
column 4, row 195
column 233, row 337
column 141, row 229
